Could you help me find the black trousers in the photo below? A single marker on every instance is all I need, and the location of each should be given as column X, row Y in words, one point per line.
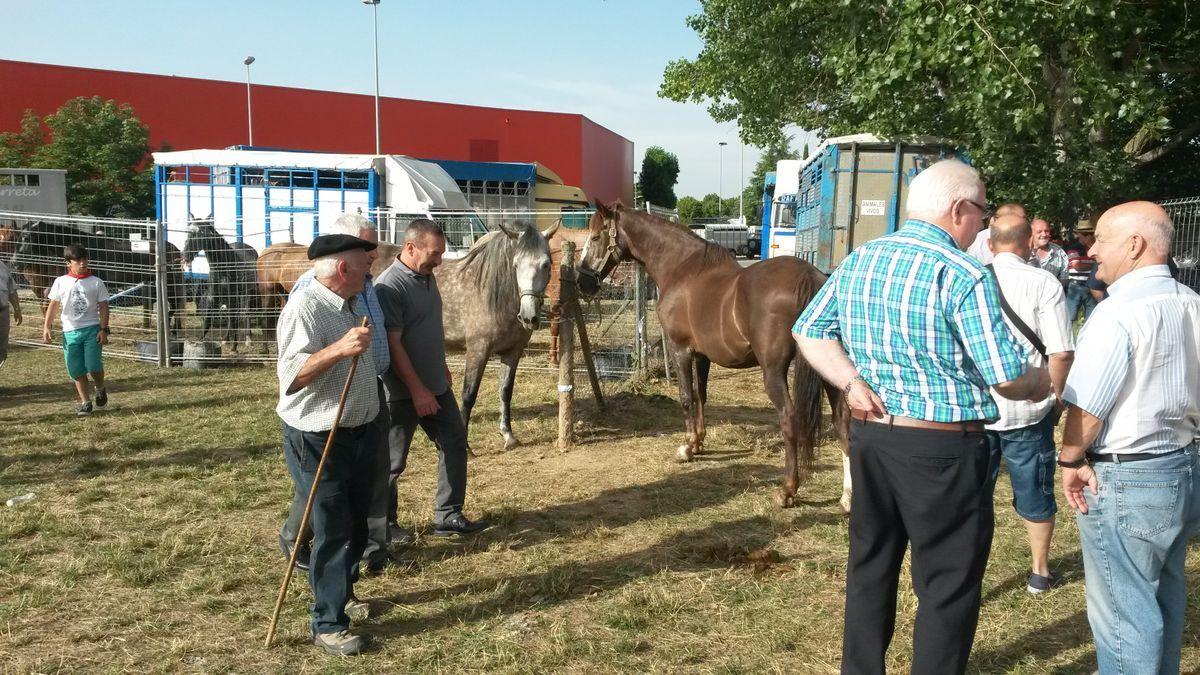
column 932, row 489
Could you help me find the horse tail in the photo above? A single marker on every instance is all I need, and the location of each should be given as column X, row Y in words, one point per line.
column 806, row 404
column 807, row 385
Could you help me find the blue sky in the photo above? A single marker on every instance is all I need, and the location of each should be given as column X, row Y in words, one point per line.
column 600, row 58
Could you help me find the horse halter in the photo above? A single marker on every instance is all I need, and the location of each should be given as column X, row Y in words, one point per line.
column 612, row 252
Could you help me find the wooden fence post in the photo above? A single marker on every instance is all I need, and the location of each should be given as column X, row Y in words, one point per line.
column 566, row 349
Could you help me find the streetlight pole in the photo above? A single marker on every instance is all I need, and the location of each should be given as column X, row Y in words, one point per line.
column 375, row 9
column 721, row 177
column 249, row 118
column 742, row 180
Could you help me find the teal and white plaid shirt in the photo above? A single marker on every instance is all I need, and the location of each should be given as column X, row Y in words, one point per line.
column 921, row 321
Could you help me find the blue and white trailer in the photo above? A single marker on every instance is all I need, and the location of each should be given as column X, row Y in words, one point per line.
column 261, row 197
column 850, row 191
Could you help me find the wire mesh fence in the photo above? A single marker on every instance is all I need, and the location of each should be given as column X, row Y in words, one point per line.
column 201, row 294
column 1185, row 214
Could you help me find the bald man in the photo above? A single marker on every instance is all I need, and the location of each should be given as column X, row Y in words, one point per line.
column 1035, row 308
column 979, row 248
column 1129, row 457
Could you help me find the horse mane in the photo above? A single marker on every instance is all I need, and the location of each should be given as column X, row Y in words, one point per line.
column 489, row 265
column 711, row 254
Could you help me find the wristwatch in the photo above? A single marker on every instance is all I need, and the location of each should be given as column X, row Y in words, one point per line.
column 1073, row 464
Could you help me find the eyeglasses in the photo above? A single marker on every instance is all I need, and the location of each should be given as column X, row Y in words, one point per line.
column 985, row 211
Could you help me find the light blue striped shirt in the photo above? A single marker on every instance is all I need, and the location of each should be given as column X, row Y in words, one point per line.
column 366, row 301
column 1137, row 365
column 921, row 321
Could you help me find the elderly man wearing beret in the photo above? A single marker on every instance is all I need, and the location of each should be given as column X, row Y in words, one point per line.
column 318, row 337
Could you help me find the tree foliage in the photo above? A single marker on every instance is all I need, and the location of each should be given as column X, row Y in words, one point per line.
column 104, row 149
column 660, row 173
column 1062, row 105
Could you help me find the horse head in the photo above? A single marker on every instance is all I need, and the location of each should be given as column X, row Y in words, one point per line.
column 531, row 264
column 199, row 238
column 603, row 250
column 26, row 245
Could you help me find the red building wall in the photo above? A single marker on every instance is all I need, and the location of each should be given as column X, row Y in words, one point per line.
column 189, row 113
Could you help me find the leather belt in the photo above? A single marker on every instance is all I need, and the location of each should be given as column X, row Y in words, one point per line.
column 913, row 423
column 1121, row 458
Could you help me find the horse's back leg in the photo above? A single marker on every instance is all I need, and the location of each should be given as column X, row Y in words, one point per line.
column 508, row 376
column 703, row 365
column 684, row 357
column 841, row 427
column 774, row 372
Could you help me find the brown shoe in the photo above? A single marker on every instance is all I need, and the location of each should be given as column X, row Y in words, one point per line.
column 341, row 643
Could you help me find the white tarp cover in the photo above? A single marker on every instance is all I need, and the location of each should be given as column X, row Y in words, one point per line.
column 266, row 158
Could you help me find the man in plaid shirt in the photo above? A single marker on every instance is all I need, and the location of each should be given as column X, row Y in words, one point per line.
column 910, row 328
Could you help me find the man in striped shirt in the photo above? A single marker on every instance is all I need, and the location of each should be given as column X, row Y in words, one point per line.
column 909, row 326
column 1129, row 453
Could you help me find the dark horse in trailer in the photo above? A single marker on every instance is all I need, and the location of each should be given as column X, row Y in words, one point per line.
column 712, row 310
column 38, row 258
column 229, row 295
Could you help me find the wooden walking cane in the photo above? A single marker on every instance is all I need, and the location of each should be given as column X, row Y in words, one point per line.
column 312, row 494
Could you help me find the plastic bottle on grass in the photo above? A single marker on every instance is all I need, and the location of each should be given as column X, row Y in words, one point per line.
column 21, row 499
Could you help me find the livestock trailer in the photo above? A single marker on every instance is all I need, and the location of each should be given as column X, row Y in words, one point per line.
column 33, row 191
column 261, row 197
column 851, row 190
column 498, row 187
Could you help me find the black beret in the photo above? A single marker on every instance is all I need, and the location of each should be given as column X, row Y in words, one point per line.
column 328, row 244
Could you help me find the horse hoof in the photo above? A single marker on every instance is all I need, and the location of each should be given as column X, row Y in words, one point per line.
column 783, row 500
column 682, row 455
column 511, row 442
column 845, row 502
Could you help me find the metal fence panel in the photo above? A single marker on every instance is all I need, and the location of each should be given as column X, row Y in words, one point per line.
column 1185, row 250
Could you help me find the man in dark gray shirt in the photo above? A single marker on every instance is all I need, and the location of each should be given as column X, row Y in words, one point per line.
column 418, row 383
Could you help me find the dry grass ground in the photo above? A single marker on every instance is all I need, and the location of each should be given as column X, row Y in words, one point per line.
column 151, row 544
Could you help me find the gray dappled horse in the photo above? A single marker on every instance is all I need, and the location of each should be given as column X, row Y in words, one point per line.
column 229, row 295
column 491, row 301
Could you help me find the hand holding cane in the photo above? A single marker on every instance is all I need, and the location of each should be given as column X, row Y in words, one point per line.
column 312, row 494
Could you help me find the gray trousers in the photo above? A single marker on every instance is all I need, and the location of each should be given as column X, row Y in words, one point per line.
column 5, row 314
column 445, row 428
column 377, row 520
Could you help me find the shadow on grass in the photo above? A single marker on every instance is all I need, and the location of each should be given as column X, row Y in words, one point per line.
column 1039, row 644
column 48, row 465
column 717, row 546
column 63, row 391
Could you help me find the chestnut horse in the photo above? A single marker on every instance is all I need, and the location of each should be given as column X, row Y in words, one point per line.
column 712, row 310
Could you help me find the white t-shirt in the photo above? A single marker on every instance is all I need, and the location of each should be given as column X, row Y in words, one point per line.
column 1038, row 298
column 979, row 248
column 80, row 300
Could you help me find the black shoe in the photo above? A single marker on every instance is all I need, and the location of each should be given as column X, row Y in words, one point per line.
column 458, row 524
column 1039, row 584
column 83, row 409
column 302, row 559
column 398, row 536
column 101, row 397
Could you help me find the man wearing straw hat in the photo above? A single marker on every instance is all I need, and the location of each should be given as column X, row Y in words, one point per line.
column 319, row 337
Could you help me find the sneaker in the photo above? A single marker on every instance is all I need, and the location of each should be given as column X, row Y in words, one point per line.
column 101, row 397
column 1039, row 584
column 83, row 409
column 341, row 643
column 357, row 610
column 459, row 524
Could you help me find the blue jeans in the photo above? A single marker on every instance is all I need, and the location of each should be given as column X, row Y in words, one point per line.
column 1029, row 455
column 1134, row 538
column 339, row 512
column 1079, row 296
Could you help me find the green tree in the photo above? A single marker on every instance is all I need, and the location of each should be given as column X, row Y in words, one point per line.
column 689, row 209
column 660, row 172
column 1061, row 105
column 104, row 149
column 710, row 206
column 17, row 148
column 781, row 148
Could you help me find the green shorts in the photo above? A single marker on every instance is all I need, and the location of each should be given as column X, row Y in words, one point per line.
column 82, row 352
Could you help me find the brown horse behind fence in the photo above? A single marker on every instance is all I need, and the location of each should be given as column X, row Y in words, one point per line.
column 712, row 310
